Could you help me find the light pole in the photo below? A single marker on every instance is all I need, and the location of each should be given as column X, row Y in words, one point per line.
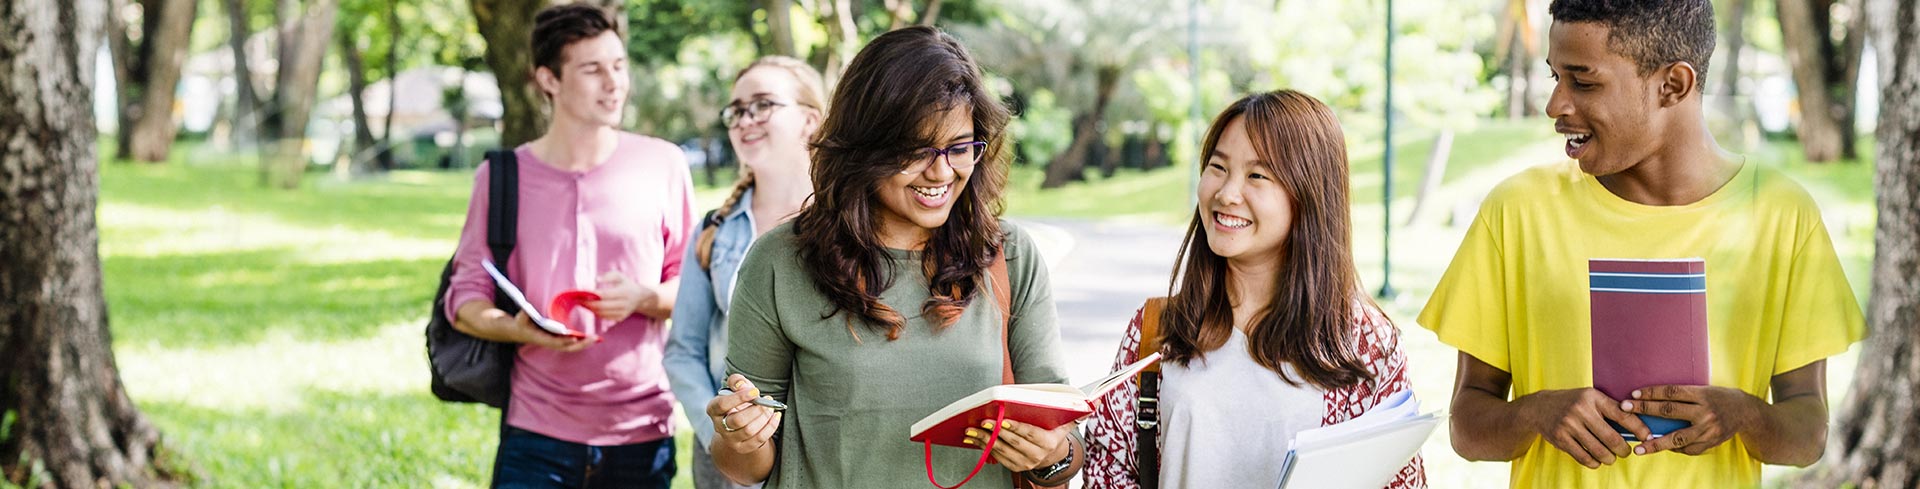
column 1386, row 175
column 1193, row 92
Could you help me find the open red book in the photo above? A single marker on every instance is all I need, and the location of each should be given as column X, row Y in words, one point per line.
column 1649, row 328
column 1045, row 405
column 559, row 311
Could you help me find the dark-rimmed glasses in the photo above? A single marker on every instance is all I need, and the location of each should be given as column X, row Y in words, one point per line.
column 959, row 157
column 756, row 110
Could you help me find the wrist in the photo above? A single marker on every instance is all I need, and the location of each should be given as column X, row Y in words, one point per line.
column 1062, row 471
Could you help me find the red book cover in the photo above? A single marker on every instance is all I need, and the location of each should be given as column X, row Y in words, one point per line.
column 1021, row 406
column 1045, row 405
column 1649, row 327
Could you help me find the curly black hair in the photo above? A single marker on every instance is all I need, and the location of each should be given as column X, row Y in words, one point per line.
column 1652, row 33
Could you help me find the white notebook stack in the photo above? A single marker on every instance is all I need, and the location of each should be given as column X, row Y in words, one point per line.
column 1361, row 453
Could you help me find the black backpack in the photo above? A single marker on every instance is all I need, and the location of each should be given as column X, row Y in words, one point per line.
column 465, row 368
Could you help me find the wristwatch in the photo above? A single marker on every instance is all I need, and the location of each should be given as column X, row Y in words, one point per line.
column 1049, row 472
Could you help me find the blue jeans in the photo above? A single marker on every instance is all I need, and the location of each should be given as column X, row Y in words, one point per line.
column 532, row 460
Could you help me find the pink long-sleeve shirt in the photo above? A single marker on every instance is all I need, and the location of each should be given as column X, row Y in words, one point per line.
column 630, row 214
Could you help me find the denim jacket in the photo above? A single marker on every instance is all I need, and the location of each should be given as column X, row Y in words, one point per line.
column 696, row 357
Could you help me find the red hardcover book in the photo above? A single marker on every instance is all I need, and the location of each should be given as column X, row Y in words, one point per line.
column 1044, row 405
column 1649, row 328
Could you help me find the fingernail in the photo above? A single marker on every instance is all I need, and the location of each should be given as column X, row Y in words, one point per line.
column 987, row 424
column 1639, row 450
column 968, row 441
column 1004, row 424
column 1636, row 394
column 1626, row 405
column 756, row 392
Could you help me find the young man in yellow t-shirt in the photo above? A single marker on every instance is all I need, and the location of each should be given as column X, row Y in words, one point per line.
column 1649, row 182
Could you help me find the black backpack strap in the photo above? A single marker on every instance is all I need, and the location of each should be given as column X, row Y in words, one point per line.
column 1147, row 432
column 1146, row 421
column 503, row 213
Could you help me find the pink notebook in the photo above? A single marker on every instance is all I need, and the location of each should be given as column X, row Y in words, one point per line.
column 1649, row 328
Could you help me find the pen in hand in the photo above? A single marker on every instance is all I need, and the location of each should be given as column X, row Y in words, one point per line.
column 762, row 401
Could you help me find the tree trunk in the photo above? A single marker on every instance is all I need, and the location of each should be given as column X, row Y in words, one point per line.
column 901, row 11
column 1876, row 443
column 356, row 86
column 932, row 14
column 1435, row 172
column 246, row 123
column 1067, row 165
column 1517, row 75
column 163, row 47
column 1155, row 154
column 507, row 26
column 842, row 37
column 299, row 82
column 1729, row 65
column 385, row 158
column 72, row 424
column 1820, row 75
column 780, row 27
column 711, row 145
column 120, row 49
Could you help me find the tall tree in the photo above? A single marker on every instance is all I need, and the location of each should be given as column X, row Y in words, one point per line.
column 1824, row 54
column 901, row 13
column 152, row 72
column 70, row 421
column 1735, row 42
column 507, row 26
column 843, row 37
column 1877, row 441
column 303, row 48
column 246, row 118
column 780, row 27
column 385, row 158
column 1519, row 47
column 363, row 142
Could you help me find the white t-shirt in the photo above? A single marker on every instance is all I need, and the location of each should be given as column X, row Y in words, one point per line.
column 1226, row 421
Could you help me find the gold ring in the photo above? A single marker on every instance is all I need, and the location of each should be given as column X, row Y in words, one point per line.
column 728, row 427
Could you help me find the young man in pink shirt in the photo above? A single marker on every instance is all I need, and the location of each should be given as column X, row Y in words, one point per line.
column 599, row 210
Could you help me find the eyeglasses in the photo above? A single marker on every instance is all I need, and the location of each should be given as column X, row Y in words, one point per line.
column 756, row 110
column 967, row 154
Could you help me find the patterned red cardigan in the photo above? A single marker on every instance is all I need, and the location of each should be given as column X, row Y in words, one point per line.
column 1111, row 435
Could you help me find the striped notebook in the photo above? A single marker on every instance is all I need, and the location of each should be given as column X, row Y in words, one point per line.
column 1649, row 328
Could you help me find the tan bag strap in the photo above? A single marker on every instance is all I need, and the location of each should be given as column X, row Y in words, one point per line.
column 1150, row 330
column 1003, row 295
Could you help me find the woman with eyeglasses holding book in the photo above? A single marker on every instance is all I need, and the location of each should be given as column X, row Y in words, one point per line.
column 1266, row 332
column 777, row 106
column 874, row 306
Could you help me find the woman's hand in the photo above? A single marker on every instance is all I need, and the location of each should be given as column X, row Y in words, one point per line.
column 1023, row 447
column 739, row 425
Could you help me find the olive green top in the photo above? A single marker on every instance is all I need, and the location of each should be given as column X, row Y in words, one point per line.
column 851, row 400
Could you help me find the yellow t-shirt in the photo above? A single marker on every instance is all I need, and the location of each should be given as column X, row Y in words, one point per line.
column 1516, row 298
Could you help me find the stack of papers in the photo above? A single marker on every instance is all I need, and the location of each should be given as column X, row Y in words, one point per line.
column 1362, row 453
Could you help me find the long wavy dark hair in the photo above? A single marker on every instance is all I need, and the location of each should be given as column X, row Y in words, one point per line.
column 1309, row 320
column 882, row 113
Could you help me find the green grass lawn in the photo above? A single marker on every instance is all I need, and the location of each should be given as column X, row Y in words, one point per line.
column 275, row 336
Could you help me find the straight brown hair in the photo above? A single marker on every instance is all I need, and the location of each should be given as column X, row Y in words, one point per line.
column 1309, row 320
